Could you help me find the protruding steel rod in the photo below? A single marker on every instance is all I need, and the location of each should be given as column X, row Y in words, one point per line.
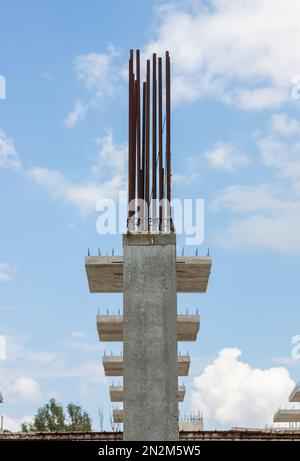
column 138, row 125
column 147, row 132
column 154, row 141
column 143, row 153
column 134, row 137
column 168, row 138
column 160, row 144
column 147, row 201
column 130, row 72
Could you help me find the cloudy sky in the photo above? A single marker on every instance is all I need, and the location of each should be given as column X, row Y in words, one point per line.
column 236, row 144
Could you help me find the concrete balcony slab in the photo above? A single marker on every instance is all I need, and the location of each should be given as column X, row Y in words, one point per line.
column 105, row 273
column 113, row 365
column 116, row 393
column 110, row 327
column 287, row 416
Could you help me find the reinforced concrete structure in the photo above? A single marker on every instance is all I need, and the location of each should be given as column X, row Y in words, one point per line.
column 149, row 274
column 290, row 416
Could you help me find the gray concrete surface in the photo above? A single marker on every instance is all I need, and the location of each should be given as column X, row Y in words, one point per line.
column 105, row 273
column 295, row 395
column 287, row 416
column 114, row 365
column 150, row 340
column 110, row 327
column 116, row 393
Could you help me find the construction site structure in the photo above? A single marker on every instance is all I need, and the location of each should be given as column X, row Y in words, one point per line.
column 290, row 416
column 149, row 273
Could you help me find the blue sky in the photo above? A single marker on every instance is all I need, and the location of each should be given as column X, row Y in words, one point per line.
column 235, row 143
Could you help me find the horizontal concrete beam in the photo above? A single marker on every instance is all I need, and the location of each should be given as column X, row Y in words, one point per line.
column 184, row 426
column 287, row 416
column 110, row 327
column 116, row 393
column 105, row 273
column 113, row 365
column 295, row 395
column 188, row 426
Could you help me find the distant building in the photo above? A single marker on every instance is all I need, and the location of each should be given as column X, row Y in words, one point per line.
column 290, row 416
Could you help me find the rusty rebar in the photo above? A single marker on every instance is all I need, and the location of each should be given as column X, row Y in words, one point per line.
column 143, row 167
column 160, row 144
column 138, row 125
column 149, row 130
column 168, row 138
column 130, row 67
column 154, row 141
column 147, row 188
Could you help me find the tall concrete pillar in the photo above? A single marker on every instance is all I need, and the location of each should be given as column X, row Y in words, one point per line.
column 150, row 339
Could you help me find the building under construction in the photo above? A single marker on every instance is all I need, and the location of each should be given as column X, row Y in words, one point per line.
column 290, row 416
column 149, row 274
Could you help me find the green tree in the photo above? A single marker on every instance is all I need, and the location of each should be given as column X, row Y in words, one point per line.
column 52, row 418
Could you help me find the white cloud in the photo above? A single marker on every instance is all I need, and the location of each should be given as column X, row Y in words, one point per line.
column 230, row 392
column 105, row 179
column 225, row 157
column 283, row 125
column 8, row 154
column 101, row 75
column 99, row 72
column 242, row 52
column 269, row 218
column 7, row 272
column 25, row 368
column 78, row 334
column 16, row 350
column 281, row 155
column 267, row 215
column 14, row 425
column 26, row 389
column 280, row 234
column 246, row 199
column 256, row 99
column 77, row 114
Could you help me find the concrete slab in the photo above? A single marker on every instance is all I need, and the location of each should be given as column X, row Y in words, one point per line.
column 105, row 273
column 183, row 365
column 191, row 426
column 118, row 416
column 287, row 416
column 113, row 365
column 116, row 393
column 295, row 395
column 184, row 426
column 110, row 327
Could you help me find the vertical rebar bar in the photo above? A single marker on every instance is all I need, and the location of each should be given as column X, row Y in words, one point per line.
column 168, row 139
column 160, row 145
column 143, row 155
column 138, row 125
column 130, row 72
column 134, row 140
column 154, row 166
column 147, row 201
column 146, row 130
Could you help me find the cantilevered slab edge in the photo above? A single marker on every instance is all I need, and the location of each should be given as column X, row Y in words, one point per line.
column 105, row 273
column 110, row 327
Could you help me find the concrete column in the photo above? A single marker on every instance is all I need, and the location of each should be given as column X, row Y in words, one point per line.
column 150, row 339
